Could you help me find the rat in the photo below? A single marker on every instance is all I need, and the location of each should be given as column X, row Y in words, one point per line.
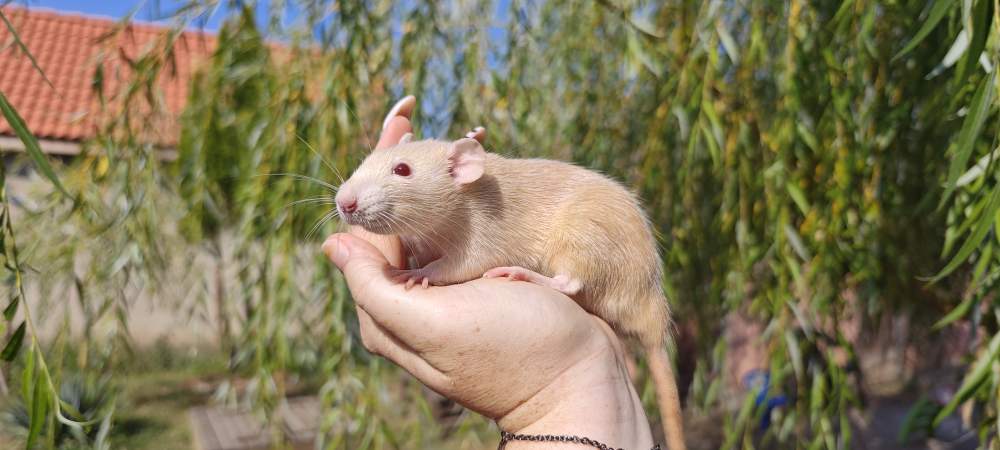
column 463, row 213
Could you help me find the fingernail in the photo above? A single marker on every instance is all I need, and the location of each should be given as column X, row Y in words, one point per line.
column 477, row 131
column 394, row 111
column 337, row 250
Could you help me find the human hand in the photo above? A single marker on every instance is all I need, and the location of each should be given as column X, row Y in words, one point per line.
column 521, row 354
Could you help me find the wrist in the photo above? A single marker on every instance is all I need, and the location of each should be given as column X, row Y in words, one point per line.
column 592, row 399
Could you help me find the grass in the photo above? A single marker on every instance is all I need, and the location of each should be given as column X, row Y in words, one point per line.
column 158, row 385
column 156, row 388
column 153, row 414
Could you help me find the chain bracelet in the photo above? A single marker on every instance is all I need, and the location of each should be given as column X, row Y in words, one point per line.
column 506, row 437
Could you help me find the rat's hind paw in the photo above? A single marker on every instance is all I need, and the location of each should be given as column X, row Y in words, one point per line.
column 561, row 283
column 411, row 277
column 513, row 273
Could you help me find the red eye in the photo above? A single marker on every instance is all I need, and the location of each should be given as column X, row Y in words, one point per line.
column 401, row 169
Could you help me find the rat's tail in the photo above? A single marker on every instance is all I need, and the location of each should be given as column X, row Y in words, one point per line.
column 667, row 397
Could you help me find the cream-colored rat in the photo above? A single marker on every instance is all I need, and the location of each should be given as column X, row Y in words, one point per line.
column 464, row 213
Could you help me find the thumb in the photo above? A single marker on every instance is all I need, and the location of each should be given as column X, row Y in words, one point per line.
column 403, row 313
column 355, row 257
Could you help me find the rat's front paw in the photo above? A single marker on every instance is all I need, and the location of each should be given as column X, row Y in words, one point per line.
column 412, row 277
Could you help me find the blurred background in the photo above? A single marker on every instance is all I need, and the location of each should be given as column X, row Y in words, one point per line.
column 823, row 176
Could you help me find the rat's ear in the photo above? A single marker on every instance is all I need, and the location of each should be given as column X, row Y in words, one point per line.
column 466, row 160
column 408, row 137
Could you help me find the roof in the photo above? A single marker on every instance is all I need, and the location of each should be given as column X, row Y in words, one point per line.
column 68, row 48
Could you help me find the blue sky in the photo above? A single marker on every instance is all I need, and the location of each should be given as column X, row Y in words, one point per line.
column 149, row 10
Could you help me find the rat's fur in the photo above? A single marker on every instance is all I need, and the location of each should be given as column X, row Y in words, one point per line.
column 550, row 217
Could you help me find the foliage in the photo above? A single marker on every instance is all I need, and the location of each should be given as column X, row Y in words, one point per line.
column 43, row 408
column 86, row 401
column 972, row 195
column 809, row 164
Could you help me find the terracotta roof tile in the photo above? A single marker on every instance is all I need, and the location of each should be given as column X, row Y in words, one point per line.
column 68, row 49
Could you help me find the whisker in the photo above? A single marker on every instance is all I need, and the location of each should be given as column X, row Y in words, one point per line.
column 324, row 199
column 326, row 218
column 320, row 200
column 321, row 158
column 301, row 177
column 444, row 239
column 394, row 223
column 368, row 138
column 442, row 243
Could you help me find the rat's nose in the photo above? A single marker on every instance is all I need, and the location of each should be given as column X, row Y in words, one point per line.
column 347, row 199
column 348, row 205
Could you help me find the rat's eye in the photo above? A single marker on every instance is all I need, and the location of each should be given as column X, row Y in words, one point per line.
column 401, row 169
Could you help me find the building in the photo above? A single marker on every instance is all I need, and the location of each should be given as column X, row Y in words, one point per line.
column 69, row 48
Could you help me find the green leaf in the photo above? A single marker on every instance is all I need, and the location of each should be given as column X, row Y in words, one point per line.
column 979, row 109
column 817, row 397
column 976, row 376
column 985, row 256
column 976, row 237
column 798, row 197
column 11, row 309
column 14, row 344
column 647, row 59
column 843, row 11
column 797, row 245
column 794, row 353
column 101, row 439
column 24, row 49
column 39, row 408
column 978, row 168
column 955, row 314
column 937, row 13
column 808, row 137
column 983, row 16
column 28, row 377
column 727, row 41
column 918, row 418
column 963, row 308
column 713, row 147
column 30, row 143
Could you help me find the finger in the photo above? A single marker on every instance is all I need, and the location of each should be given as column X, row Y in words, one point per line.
column 397, row 122
column 403, row 108
column 405, row 314
column 381, row 342
column 478, row 133
column 395, row 129
column 390, row 245
column 372, row 337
